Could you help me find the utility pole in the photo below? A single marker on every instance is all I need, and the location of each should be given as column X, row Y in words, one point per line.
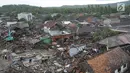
column 107, row 45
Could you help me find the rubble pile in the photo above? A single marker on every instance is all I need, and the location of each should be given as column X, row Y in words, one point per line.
column 49, row 48
column 60, row 60
column 67, row 56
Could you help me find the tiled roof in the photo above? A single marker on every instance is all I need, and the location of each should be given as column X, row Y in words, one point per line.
column 110, row 61
column 116, row 40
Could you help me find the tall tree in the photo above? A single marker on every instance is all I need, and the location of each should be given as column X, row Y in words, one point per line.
column 109, row 9
column 89, row 9
column 92, row 8
column 128, row 9
column 105, row 10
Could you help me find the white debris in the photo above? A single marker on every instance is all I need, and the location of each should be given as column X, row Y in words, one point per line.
column 58, row 70
column 13, row 54
column 67, row 65
column 38, row 57
column 57, row 64
column 73, row 51
column 60, row 49
column 58, row 45
column 4, row 51
column 65, row 70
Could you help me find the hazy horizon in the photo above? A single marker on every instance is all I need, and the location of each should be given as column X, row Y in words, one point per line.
column 57, row 3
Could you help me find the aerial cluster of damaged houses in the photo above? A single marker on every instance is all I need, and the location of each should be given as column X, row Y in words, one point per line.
column 57, row 46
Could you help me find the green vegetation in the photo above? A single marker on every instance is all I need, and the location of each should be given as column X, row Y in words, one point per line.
column 103, row 33
column 48, row 17
column 12, row 10
column 97, row 10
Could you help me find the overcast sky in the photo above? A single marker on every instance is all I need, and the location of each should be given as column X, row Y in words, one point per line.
column 56, row 3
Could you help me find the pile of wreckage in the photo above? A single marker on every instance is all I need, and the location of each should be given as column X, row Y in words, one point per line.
column 60, row 60
column 60, row 51
column 71, row 59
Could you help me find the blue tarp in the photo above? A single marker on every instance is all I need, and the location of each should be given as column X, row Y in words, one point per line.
column 94, row 19
column 9, row 38
column 73, row 51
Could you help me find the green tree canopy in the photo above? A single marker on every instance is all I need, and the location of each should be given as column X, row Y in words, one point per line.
column 103, row 33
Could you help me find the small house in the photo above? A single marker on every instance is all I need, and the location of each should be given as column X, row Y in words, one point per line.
column 114, row 41
column 113, row 61
column 26, row 16
column 55, row 35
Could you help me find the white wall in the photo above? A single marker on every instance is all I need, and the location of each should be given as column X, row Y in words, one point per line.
column 123, row 69
column 27, row 16
column 107, row 22
column 116, row 71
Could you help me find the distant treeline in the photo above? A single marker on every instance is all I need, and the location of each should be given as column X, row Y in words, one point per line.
column 12, row 10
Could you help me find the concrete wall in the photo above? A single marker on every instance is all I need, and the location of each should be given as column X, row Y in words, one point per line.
column 107, row 22
column 27, row 16
column 116, row 71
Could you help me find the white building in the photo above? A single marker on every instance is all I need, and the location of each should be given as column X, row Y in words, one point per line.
column 26, row 16
column 107, row 22
column 111, row 21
